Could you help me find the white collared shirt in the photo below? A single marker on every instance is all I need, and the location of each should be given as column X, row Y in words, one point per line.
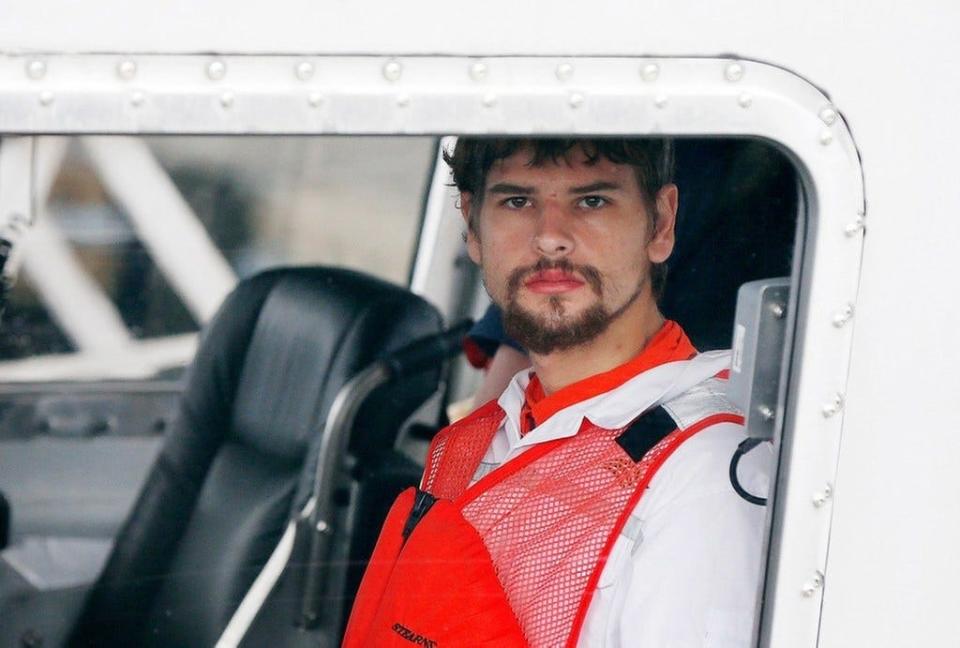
column 685, row 571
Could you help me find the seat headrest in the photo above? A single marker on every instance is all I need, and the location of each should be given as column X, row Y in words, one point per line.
column 286, row 341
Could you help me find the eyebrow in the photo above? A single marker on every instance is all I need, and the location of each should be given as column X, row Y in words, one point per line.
column 596, row 186
column 507, row 188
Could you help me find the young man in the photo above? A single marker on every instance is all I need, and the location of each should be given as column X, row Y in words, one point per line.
column 590, row 503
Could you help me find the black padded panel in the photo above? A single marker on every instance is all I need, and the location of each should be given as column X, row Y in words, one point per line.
column 148, row 538
column 265, row 374
column 298, row 347
column 238, row 519
column 645, row 432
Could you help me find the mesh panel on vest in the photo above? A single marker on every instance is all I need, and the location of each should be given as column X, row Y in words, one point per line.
column 546, row 525
column 462, row 447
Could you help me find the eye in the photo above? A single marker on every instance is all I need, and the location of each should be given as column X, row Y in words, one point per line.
column 516, row 202
column 592, row 202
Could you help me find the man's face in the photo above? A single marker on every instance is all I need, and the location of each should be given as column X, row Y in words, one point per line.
column 566, row 247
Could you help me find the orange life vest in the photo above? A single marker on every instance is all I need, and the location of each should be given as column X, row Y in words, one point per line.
column 513, row 559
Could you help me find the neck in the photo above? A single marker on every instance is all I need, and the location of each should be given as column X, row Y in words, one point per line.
column 626, row 336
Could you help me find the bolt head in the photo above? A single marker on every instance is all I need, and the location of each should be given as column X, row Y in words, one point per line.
column 834, row 406
column 564, row 71
column 137, row 98
column 820, row 498
column 315, row 99
column 660, row 101
column 46, row 98
column 778, row 310
column 843, row 316
column 36, row 69
column 490, row 100
column 479, row 71
column 745, row 100
column 216, row 70
column 392, row 70
column 855, row 227
column 813, row 585
column 766, row 412
column 828, row 115
column 733, row 72
column 304, row 70
column 650, row 72
column 576, row 99
column 403, row 100
column 126, row 70
column 227, row 99
column 826, row 137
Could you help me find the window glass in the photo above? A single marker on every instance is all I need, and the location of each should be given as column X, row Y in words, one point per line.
column 99, row 268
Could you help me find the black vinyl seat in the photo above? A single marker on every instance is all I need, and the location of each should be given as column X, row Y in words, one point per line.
column 236, row 465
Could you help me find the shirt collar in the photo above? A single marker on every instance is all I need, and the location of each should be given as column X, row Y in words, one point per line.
column 611, row 409
column 668, row 344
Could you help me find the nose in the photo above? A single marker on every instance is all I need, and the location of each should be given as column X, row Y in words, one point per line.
column 553, row 238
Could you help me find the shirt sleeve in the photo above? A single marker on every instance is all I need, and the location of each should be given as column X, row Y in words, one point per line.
column 685, row 572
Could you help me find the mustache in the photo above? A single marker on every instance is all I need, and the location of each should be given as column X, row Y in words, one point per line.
column 590, row 274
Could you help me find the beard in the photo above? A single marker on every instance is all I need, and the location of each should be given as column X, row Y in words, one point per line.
column 545, row 333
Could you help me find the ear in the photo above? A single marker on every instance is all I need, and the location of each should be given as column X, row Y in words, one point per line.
column 661, row 243
column 472, row 240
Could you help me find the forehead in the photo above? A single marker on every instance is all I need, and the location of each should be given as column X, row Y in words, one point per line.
column 575, row 168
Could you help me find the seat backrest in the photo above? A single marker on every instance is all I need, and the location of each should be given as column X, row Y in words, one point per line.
column 233, row 467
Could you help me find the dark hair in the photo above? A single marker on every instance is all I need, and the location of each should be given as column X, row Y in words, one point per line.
column 651, row 158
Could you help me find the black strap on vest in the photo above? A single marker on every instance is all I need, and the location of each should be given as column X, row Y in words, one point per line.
column 422, row 503
column 646, row 431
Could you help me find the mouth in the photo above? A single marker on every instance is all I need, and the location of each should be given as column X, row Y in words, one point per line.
column 552, row 282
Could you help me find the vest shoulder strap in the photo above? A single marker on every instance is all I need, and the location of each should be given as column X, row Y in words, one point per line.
column 467, row 441
column 645, row 432
column 703, row 400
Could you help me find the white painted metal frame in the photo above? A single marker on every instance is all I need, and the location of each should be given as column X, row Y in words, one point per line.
column 537, row 96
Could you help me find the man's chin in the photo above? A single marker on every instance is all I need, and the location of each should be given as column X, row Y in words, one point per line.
column 544, row 333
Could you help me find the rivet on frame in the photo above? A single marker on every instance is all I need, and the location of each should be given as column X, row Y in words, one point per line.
column 745, row 100
column 403, row 100
column 766, row 412
column 576, row 99
column 820, row 497
column 855, row 227
column 304, row 70
column 479, row 71
column 490, row 100
column 834, row 406
column 650, row 72
column 828, row 115
column 392, row 70
column 315, row 99
column 137, row 98
column 46, row 98
column 778, row 310
column 227, row 99
column 36, row 69
column 826, row 137
column 660, row 101
column 813, row 585
column 843, row 316
column 216, row 70
column 126, row 69
column 564, row 71
column 733, row 72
